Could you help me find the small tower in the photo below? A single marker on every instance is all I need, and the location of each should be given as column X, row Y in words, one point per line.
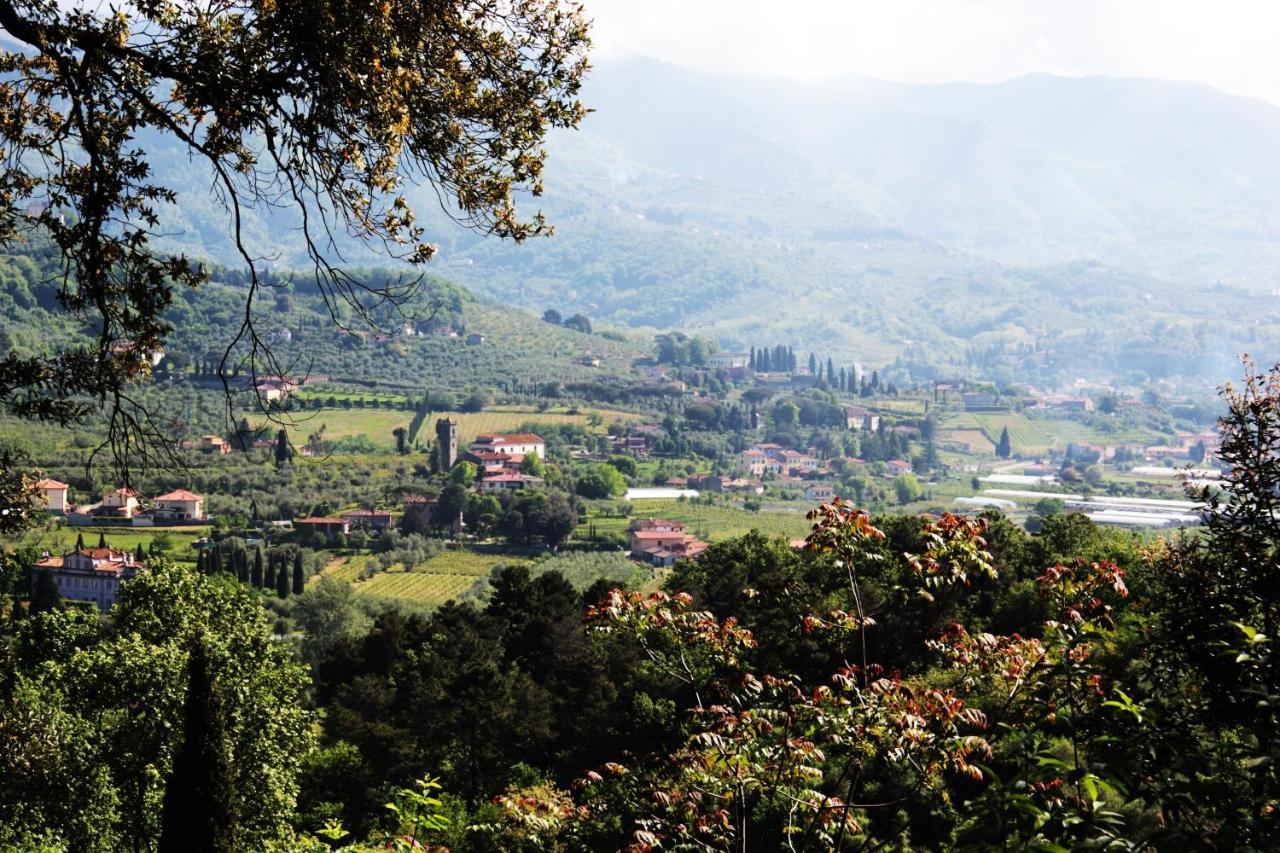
column 446, row 443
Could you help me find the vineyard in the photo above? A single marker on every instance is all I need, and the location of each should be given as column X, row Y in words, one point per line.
column 430, row 589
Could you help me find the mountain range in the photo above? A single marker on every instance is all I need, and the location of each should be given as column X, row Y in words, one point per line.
column 879, row 219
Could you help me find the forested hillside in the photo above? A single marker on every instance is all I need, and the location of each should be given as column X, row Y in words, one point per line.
column 833, row 213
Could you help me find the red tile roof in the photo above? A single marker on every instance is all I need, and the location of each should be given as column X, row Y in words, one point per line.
column 52, row 484
column 180, row 495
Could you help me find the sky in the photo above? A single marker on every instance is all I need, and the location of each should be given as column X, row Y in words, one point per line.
column 1228, row 44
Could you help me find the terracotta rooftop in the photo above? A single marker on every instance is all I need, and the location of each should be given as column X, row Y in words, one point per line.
column 180, row 495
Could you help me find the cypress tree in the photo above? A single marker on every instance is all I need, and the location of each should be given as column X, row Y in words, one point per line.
column 831, row 372
column 139, row 554
column 79, row 541
column 45, row 595
column 102, row 540
column 813, row 364
column 282, row 582
column 198, row 814
column 298, row 581
column 242, row 570
column 269, row 580
column 256, row 577
column 1004, row 449
column 200, row 562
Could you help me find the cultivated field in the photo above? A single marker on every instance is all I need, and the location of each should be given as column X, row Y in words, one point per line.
column 713, row 523
column 63, row 538
column 378, row 424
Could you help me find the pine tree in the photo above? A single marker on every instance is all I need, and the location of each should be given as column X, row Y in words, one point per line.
column 45, row 596
column 282, row 582
column 1004, row 448
column 198, row 813
column 256, row 577
column 299, row 582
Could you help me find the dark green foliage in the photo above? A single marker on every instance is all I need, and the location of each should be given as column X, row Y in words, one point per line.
column 1004, row 448
column 197, row 811
column 299, row 581
column 257, row 575
column 44, row 594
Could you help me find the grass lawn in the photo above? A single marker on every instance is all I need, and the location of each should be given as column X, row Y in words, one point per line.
column 63, row 538
column 378, row 424
column 714, row 523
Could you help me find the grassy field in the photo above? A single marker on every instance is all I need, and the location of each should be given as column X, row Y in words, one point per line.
column 715, row 523
column 60, row 539
column 378, row 424
column 1025, row 436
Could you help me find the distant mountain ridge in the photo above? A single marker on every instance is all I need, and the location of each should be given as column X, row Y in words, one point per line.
column 849, row 213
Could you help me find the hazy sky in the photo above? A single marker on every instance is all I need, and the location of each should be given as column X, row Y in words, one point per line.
column 1229, row 44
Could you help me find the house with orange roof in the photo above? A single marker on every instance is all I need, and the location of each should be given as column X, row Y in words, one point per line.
column 122, row 503
column 511, row 444
column 180, row 505
column 660, row 542
column 55, row 495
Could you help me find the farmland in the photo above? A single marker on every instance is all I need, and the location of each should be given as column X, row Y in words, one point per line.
column 715, row 523
column 429, row 584
column 377, row 424
column 176, row 540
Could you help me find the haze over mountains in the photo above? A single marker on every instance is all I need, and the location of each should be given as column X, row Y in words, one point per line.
column 874, row 217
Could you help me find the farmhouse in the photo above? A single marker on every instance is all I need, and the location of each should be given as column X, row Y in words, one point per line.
column 369, row 519
column 819, row 493
column 90, row 574
column 121, row 504
column 179, row 505
column 661, row 542
column 857, row 418
column 898, row 466
column 214, row 444
column 55, row 495
column 522, row 443
column 325, row 526
column 508, row 482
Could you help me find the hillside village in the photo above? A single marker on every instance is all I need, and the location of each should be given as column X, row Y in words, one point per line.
column 645, row 460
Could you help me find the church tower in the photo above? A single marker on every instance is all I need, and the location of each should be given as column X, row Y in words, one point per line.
column 446, row 443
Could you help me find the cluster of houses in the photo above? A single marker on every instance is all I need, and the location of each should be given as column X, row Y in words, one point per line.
column 125, row 506
column 500, row 457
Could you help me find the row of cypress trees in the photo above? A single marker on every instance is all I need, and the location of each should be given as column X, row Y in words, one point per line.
column 271, row 573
